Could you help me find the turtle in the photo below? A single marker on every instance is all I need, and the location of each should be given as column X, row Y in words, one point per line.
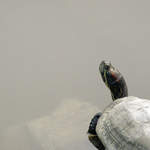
column 125, row 123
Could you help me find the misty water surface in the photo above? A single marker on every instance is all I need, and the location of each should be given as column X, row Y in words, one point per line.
column 63, row 129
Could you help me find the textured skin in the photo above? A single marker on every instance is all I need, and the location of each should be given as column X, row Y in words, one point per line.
column 96, row 142
column 93, row 138
column 125, row 125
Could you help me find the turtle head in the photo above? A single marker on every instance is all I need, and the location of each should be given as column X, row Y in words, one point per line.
column 113, row 80
column 92, row 135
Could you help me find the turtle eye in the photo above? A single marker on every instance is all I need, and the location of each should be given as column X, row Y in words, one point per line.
column 107, row 67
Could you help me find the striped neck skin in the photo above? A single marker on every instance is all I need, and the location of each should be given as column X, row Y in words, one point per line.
column 118, row 89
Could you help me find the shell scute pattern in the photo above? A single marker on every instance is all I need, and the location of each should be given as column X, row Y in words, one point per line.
column 121, row 125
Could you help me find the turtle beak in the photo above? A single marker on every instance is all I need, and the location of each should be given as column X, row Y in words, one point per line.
column 101, row 69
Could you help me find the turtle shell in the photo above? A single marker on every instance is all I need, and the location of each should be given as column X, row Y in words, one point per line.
column 125, row 125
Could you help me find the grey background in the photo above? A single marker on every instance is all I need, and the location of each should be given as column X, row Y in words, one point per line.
column 51, row 50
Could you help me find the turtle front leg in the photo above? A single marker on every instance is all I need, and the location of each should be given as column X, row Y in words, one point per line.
column 93, row 138
column 96, row 142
